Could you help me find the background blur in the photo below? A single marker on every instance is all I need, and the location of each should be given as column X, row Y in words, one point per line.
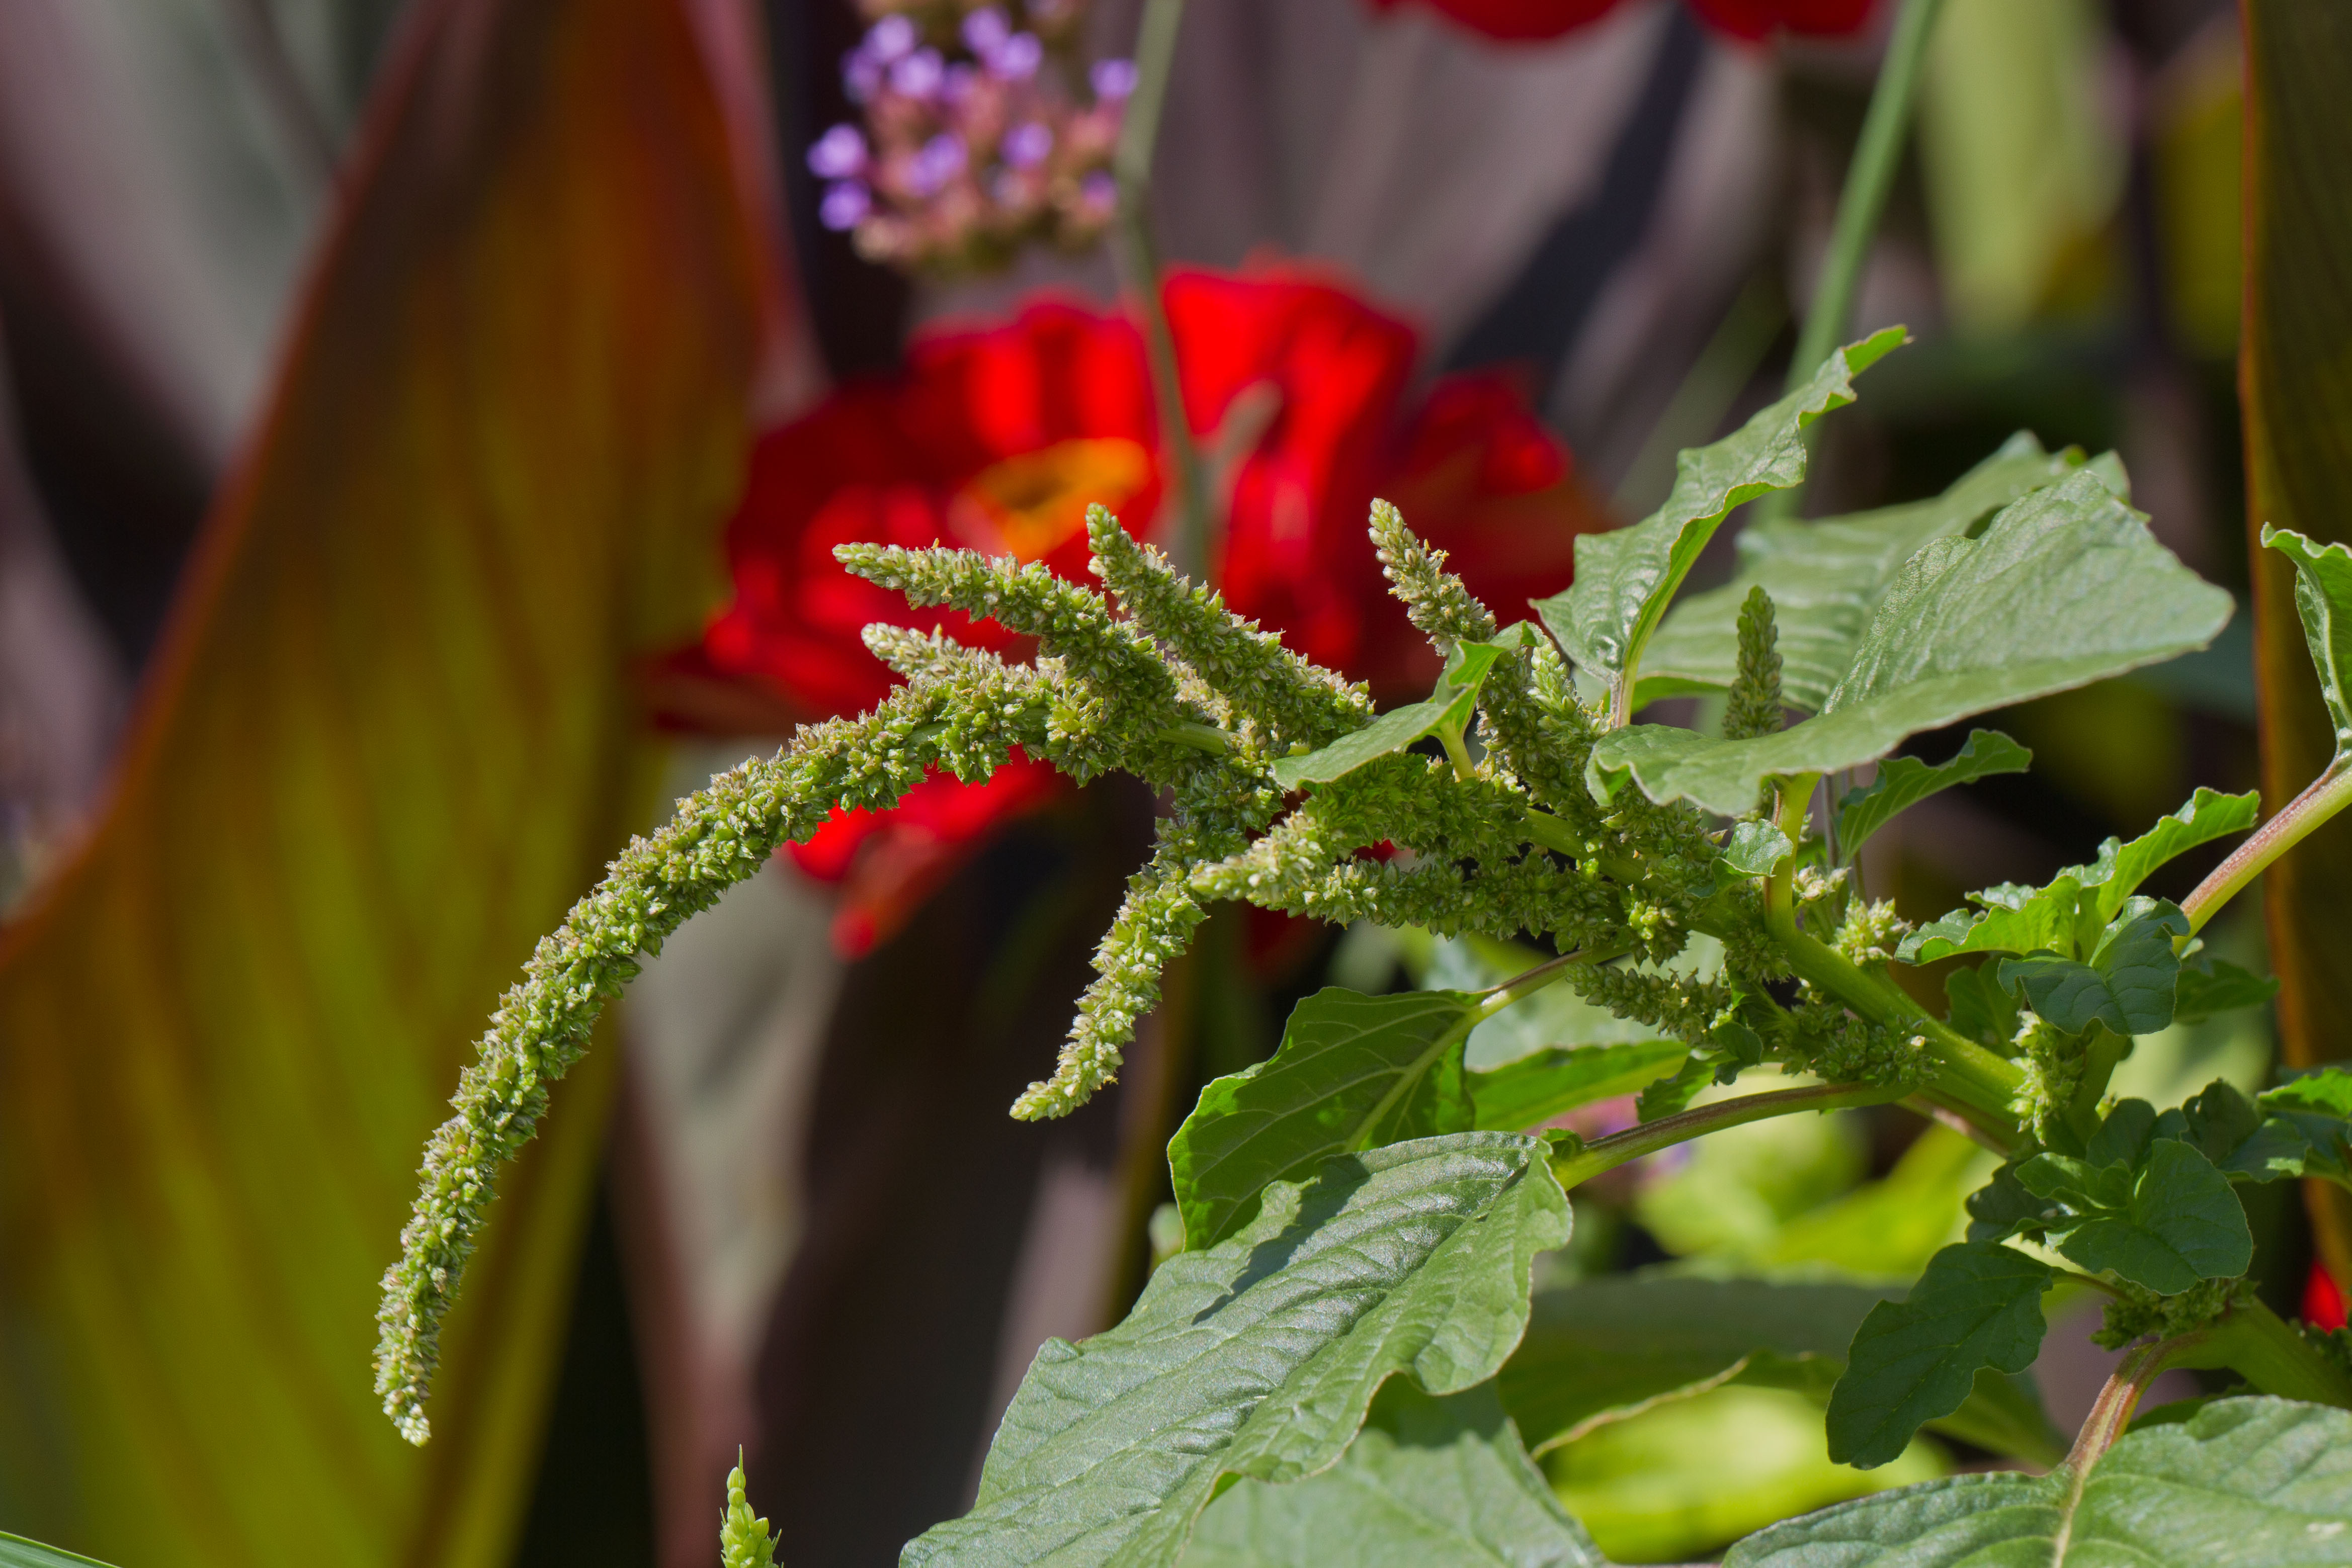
column 379, row 378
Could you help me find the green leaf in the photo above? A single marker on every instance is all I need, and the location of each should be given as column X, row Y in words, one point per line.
column 1978, row 1305
column 2314, row 1109
column 389, row 738
column 2065, row 587
column 2323, row 601
column 1257, row 1357
column 1827, row 577
column 1601, row 1350
column 2010, row 918
column 1754, row 848
column 2120, row 868
column 1428, row 1483
column 16, row 1552
column 2067, row 915
column 1624, row 578
column 1446, row 710
column 2165, row 1225
column 2127, row 984
column 1352, row 1072
column 2210, row 986
column 1904, row 781
column 2249, row 1482
column 1980, row 1009
column 1534, row 1089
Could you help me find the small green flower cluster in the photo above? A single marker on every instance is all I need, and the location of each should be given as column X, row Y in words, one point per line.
column 1155, row 677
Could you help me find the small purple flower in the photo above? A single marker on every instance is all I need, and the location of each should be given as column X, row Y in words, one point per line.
column 942, row 158
column 986, row 31
column 1113, row 80
column 918, row 75
column 1026, row 145
column 888, row 39
column 861, row 75
column 838, row 154
column 844, row 205
column 957, row 85
column 1098, row 190
column 1017, row 58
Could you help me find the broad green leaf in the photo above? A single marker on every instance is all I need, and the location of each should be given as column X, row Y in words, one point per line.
column 2210, row 986
column 1978, row 1305
column 1352, row 1072
column 1534, row 1089
column 1257, row 1358
column 1609, row 1348
column 1447, row 709
column 2127, row 984
column 1624, row 578
column 1904, row 781
column 1428, row 1483
column 388, row 740
column 2323, row 601
column 2067, row 915
column 1827, row 577
column 2064, row 588
column 2249, row 1482
column 2165, row 1224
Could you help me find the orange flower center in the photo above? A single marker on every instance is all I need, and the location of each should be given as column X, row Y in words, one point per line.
column 1030, row 505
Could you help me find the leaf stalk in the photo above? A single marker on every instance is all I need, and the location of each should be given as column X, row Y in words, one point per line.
column 2322, row 799
column 1607, row 1153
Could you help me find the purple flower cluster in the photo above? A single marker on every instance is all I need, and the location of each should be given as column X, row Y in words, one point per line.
column 973, row 145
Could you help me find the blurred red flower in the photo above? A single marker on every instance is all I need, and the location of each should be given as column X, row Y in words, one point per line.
column 1538, row 19
column 998, row 438
column 2323, row 1299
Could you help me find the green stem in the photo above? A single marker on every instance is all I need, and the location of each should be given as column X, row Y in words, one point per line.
column 2269, row 1353
column 2111, row 1412
column 1971, row 1082
column 2326, row 795
column 1607, row 1153
column 1868, row 179
column 1139, row 261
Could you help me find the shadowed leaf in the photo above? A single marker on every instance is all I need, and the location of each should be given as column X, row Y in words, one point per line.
column 1978, row 1305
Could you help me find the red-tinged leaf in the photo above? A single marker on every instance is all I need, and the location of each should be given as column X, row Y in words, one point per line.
column 2296, row 376
column 388, row 741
